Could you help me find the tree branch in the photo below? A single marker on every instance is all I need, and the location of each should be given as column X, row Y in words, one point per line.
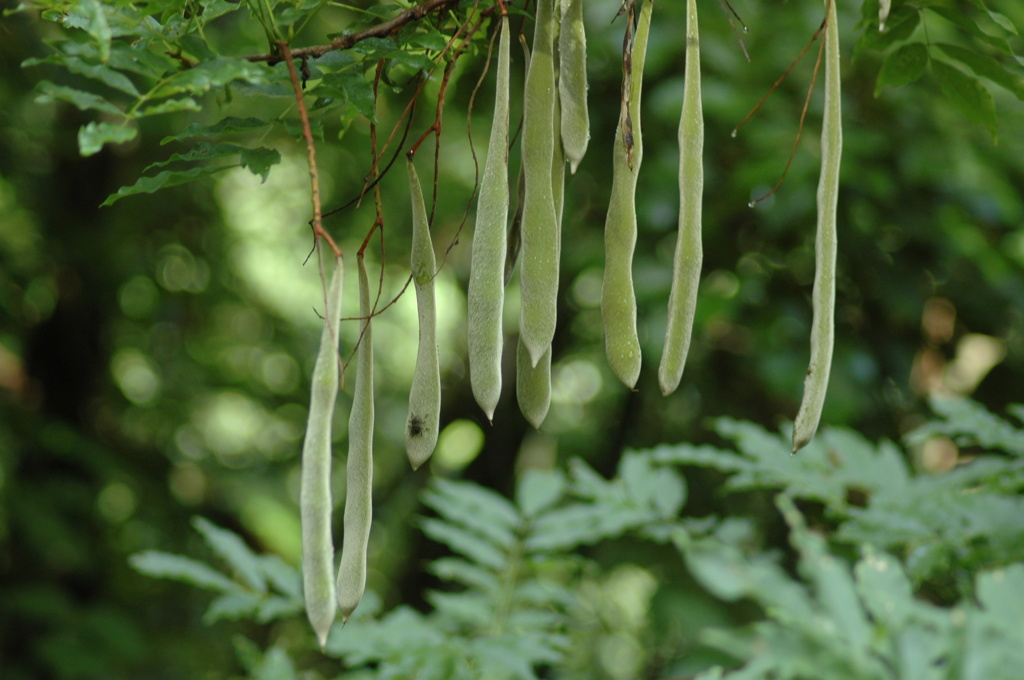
column 346, row 41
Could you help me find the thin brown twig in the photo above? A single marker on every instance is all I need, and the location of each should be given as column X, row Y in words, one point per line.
column 378, row 223
column 376, row 156
column 347, row 40
column 436, row 126
column 730, row 12
column 469, row 203
column 407, row 115
column 441, row 99
column 472, row 101
column 778, row 82
column 803, row 111
column 307, row 134
column 369, row 184
column 319, row 235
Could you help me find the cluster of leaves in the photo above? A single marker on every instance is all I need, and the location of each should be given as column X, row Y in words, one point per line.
column 130, row 61
column 136, row 61
column 261, row 587
column 125, row 62
column 512, row 572
column 859, row 621
column 906, row 533
column 977, row 51
column 940, row 525
column 865, row 601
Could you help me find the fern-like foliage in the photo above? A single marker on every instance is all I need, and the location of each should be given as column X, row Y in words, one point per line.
column 942, row 524
column 260, row 587
column 863, row 603
column 970, row 424
column 512, row 570
column 504, row 615
column 856, row 622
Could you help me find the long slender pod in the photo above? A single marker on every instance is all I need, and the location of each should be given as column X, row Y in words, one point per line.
column 557, row 150
column 682, row 300
column 515, row 226
column 486, row 294
column 824, row 293
column 572, row 83
column 618, row 301
column 425, row 394
column 541, row 231
column 315, row 494
column 359, row 468
column 533, row 385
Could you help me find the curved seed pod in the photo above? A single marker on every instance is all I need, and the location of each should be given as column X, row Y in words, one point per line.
column 618, row 302
column 486, row 294
column 425, row 394
column 572, row 83
column 682, row 301
column 315, row 494
column 541, row 231
column 359, row 467
column 824, row 293
column 533, row 385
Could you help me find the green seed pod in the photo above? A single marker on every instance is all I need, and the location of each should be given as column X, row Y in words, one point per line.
column 425, row 395
column 486, row 295
column 682, row 300
column 315, row 493
column 618, row 301
column 824, row 293
column 359, row 468
column 572, row 83
column 533, row 385
column 541, row 231
column 515, row 232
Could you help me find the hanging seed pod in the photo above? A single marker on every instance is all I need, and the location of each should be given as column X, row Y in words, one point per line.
column 572, row 83
column 533, row 385
column 315, row 493
column 682, row 300
column 359, row 467
column 425, row 395
column 541, row 232
column 486, row 295
column 618, row 301
column 824, row 292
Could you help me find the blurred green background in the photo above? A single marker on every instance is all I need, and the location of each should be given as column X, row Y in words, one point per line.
column 154, row 355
